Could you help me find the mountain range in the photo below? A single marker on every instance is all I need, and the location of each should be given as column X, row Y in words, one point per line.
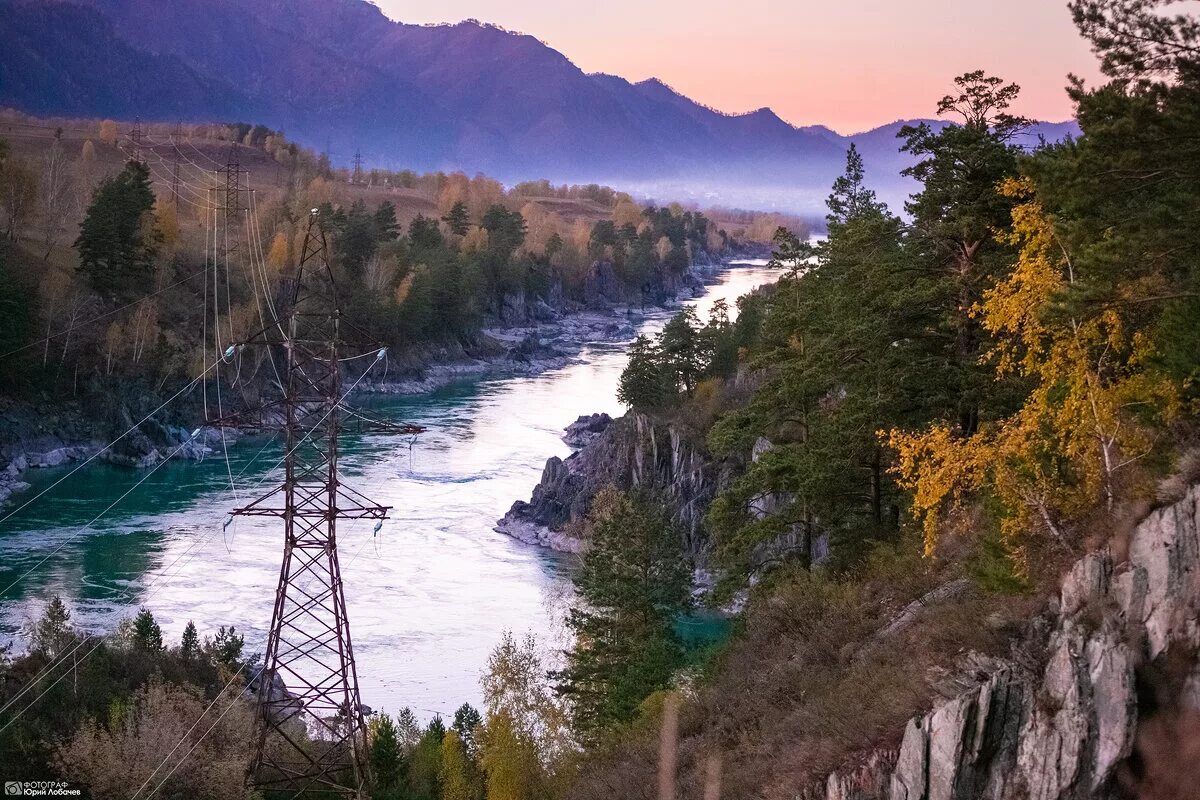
column 468, row 96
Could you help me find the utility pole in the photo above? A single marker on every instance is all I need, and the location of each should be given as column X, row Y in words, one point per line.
column 135, row 137
column 230, row 188
column 175, row 136
column 311, row 737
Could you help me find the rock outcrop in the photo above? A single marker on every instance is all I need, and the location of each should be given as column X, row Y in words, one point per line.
column 1063, row 729
column 632, row 452
column 586, row 428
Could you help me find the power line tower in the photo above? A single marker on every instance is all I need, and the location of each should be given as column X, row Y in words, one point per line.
column 358, row 169
column 311, row 733
column 230, row 189
column 135, row 138
column 176, row 134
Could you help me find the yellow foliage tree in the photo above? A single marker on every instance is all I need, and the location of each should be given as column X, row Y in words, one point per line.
column 626, row 212
column 168, row 225
column 483, row 193
column 475, row 240
column 664, row 247
column 108, row 132
column 540, row 225
column 404, row 288
column 280, row 254
column 455, row 775
column 455, row 189
column 1063, row 451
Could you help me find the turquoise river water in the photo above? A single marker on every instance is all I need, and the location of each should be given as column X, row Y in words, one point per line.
column 428, row 598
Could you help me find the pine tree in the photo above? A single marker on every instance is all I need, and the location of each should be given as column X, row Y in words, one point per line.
column 457, row 219
column 645, row 382
column 189, row 644
column 633, row 583
column 226, row 647
column 118, row 240
column 18, row 311
column 424, row 233
column 850, row 197
column 680, row 348
column 53, row 631
column 466, row 722
column 387, row 229
column 955, row 218
column 386, row 757
column 147, row 636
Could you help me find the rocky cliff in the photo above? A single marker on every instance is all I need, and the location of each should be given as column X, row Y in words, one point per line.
column 632, row 452
column 1085, row 722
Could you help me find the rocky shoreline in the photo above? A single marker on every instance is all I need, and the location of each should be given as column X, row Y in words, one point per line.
column 529, row 338
column 631, row 452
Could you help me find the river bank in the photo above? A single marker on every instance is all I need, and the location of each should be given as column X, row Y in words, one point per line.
column 542, row 338
column 430, row 594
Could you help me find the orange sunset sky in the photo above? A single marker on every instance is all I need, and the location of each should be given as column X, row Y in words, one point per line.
column 849, row 64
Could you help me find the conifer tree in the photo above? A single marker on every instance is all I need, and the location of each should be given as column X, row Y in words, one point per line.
column 634, row 582
column 53, row 631
column 118, row 240
column 189, row 643
column 147, row 636
column 386, row 758
column 457, row 219
column 645, row 384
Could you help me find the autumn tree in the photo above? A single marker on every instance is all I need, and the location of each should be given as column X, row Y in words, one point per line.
column 279, row 256
column 18, row 196
column 524, row 738
column 117, row 757
column 1100, row 313
column 459, row 779
column 109, row 133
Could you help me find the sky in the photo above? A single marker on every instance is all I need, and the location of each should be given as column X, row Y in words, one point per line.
column 848, row 64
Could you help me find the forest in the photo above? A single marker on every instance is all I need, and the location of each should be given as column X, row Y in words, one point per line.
column 108, row 238
column 974, row 390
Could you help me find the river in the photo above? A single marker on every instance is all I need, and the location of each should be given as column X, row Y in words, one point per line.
column 428, row 598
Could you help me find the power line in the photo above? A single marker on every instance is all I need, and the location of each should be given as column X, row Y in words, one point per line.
column 94, row 456
column 99, row 317
column 100, row 641
column 186, row 556
column 232, row 702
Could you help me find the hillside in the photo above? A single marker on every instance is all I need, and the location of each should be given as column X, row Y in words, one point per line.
column 467, row 96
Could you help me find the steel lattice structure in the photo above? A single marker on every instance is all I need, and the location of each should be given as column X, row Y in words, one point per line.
column 311, row 734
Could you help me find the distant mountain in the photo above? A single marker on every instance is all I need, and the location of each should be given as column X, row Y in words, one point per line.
column 468, row 96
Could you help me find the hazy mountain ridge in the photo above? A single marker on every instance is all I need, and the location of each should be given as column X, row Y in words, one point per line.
column 465, row 96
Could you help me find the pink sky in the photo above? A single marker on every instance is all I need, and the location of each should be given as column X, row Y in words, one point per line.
column 849, row 64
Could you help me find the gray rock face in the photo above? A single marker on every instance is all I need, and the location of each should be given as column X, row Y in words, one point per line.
column 586, row 428
column 631, row 452
column 1060, row 733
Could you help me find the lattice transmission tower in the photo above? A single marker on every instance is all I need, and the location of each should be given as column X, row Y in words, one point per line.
column 311, row 733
